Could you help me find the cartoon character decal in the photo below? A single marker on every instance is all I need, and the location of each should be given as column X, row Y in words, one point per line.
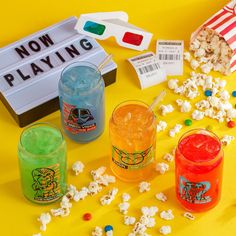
column 80, row 115
column 194, row 192
column 132, row 160
column 45, row 184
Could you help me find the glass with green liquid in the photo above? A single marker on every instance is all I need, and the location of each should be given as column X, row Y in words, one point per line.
column 42, row 162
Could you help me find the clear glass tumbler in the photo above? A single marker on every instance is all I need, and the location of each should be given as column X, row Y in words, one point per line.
column 198, row 170
column 81, row 93
column 133, row 141
column 42, row 162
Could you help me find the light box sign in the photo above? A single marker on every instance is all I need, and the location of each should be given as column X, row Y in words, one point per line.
column 30, row 69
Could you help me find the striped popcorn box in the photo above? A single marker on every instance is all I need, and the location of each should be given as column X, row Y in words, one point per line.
column 214, row 42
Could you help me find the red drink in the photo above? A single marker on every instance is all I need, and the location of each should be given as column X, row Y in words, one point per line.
column 198, row 170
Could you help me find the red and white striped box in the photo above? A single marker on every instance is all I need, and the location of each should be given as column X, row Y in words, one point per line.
column 224, row 24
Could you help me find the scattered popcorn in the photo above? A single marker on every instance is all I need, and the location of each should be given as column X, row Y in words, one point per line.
column 144, row 187
column 108, row 198
column 72, row 189
column 60, row 212
column 189, row 216
column 166, row 229
column 94, row 188
column 98, row 173
column 168, row 157
column 161, row 126
column 175, row 130
column 126, row 197
column 227, row 139
column 97, row 231
column 149, row 211
column 187, row 56
column 129, row 220
column 78, row 167
column 166, row 109
column 139, row 228
column 124, row 206
column 194, row 64
column 149, row 222
column 44, row 219
column 197, row 115
column 162, row 167
column 105, row 180
column 161, row 197
column 206, row 68
column 81, row 195
column 65, row 202
column 167, row 215
column 224, row 95
column 173, row 83
column 185, row 106
column 109, row 233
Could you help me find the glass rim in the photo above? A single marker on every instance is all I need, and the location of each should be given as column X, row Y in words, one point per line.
column 212, row 134
column 41, row 124
column 132, row 102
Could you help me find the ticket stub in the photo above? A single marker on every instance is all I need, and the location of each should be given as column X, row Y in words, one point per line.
column 170, row 55
column 148, row 69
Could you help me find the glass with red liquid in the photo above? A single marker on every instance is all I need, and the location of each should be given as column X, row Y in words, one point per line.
column 198, row 170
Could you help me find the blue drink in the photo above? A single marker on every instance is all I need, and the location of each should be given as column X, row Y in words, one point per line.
column 81, row 93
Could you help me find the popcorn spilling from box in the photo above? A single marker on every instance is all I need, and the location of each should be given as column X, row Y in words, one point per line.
column 214, row 42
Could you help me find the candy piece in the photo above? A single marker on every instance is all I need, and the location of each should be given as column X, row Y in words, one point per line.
column 231, row 124
column 234, row 93
column 87, row 217
column 208, row 93
column 188, row 122
column 108, row 228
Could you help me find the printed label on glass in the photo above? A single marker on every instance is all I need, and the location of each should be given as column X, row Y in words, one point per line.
column 194, row 192
column 135, row 160
column 46, row 183
column 76, row 119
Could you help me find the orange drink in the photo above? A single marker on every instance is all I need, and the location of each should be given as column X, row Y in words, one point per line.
column 133, row 141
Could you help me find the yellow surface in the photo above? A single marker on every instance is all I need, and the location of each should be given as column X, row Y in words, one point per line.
column 167, row 20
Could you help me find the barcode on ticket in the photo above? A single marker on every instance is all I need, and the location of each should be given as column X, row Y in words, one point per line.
column 148, row 68
column 169, row 57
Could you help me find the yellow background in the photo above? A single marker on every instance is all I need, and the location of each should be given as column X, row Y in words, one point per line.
column 166, row 19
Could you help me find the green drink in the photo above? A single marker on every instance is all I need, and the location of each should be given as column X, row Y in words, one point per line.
column 42, row 161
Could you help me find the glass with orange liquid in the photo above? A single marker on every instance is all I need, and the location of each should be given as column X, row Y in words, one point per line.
column 133, row 141
column 198, row 169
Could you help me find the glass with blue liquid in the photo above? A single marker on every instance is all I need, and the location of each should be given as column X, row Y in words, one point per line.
column 81, row 93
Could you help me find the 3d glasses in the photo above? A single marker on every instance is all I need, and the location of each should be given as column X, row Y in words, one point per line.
column 107, row 24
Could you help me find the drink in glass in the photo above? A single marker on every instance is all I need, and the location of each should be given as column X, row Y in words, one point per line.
column 133, row 141
column 42, row 162
column 198, row 169
column 81, row 93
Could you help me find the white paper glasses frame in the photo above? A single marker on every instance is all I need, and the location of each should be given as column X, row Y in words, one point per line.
column 107, row 24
